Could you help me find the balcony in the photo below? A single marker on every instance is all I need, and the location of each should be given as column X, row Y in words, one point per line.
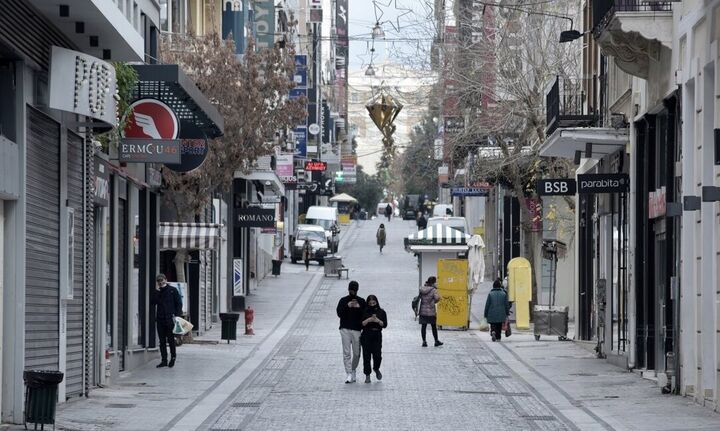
column 109, row 29
column 565, row 106
column 633, row 32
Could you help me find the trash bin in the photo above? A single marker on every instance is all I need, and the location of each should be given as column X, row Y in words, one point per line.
column 276, row 267
column 228, row 330
column 41, row 392
column 550, row 320
column 332, row 265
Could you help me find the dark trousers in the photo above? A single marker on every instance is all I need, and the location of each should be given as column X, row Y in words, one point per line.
column 307, row 263
column 423, row 331
column 497, row 329
column 165, row 333
column 371, row 342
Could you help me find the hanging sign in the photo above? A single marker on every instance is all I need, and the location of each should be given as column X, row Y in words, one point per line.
column 255, row 217
column 603, row 183
column 101, row 197
column 556, row 187
column 149, row 150
column 193, row 148
column 468, row 191
column 315, row 166
column 152, row 119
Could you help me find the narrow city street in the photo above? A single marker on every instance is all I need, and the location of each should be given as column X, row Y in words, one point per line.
column 289, row 376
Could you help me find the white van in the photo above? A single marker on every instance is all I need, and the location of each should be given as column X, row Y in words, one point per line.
column 440, row 210
column 327, row 217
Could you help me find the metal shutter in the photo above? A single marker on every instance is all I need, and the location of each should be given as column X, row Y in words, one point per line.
column 42, row 289
column 75, row 317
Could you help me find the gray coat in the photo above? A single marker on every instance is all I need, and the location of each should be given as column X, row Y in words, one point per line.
column 428, row 298
column 497, row 306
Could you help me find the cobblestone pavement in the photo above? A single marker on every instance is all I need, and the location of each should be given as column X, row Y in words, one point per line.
column 290, row 375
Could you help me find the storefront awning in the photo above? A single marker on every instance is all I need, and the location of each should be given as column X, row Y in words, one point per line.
column 565, row 142
column 266, row 178
column 437, row 238
column 189, row 236
column 169, row 84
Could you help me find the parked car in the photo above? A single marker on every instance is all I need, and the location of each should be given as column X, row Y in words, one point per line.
column 459, row 223
column 409, row 214
column 327, row 217
column 318, row 243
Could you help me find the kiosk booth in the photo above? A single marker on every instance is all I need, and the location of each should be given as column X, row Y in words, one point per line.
column 344, row 204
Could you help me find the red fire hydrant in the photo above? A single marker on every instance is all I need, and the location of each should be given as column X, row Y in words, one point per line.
column 249, row 317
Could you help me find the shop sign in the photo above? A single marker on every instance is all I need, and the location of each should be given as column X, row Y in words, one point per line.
column 284, row 166
column 255, row 217
column 82, row 84
column 153, row 177
column 300, row 134
column 603, row 183
column 149, row 150
column 265, row 23
column 300, row 76
column 152, row 119
column 315, row 166
column 193, row 148
column 101, row 196
column 314, row 129
column 468, row 191
column 556, row 187
column 657, row 203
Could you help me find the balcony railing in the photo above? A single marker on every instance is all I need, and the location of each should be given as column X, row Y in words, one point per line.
column 604, row 10
column 565, row 105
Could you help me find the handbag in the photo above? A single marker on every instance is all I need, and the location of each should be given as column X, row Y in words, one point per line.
column 182, row 326
column 416, row 304
column 506, row 327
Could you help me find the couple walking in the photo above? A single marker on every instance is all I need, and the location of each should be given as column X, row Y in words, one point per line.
column 361, row 325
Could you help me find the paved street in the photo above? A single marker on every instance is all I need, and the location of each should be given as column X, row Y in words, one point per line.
column 289, row 376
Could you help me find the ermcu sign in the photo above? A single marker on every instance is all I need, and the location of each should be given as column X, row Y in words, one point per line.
column 556, row 187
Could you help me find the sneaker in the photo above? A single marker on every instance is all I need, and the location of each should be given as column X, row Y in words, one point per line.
column 354, row 379
column 492, row 335
column 438, row 344
column 171, row 363
column 162, row 364
column 367, row 378
column 349, row 378
column 378, row 374
column 424, row 344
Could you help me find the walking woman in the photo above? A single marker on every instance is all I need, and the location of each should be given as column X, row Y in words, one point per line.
column 497, row 309
column 429, row 296
column 380, row 236
column 374, row 320
column 307, row 253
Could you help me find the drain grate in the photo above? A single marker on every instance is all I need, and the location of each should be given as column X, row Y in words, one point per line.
column 255, row 404
column 120, row 406
column 539, row 418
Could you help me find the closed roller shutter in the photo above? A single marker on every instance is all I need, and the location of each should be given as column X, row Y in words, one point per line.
column 75, row 319
column 42, row 289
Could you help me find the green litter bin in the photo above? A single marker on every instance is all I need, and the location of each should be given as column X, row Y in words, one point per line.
column 228, row 329
column 41, row 392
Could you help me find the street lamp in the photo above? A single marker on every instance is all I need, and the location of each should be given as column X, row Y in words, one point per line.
column 570, row 35
column 377, row 31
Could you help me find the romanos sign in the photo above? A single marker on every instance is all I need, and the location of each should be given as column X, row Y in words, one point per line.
column 255, row 217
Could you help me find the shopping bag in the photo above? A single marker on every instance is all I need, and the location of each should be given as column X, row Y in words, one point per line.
column 182, row 326
column 484, row 325
column 506, row 327
column 416, row 304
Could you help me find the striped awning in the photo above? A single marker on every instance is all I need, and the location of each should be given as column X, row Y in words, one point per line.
column 189, row 236
column 438, row 235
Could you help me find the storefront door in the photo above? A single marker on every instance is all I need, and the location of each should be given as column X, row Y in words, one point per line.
column 122, row 282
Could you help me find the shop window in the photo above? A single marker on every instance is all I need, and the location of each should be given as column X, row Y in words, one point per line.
column 716, row 134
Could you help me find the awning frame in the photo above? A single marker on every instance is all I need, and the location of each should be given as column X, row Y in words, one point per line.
column 564, row 142
column 189, row 236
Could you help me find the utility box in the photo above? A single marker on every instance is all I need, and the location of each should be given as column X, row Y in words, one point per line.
column 238, row 303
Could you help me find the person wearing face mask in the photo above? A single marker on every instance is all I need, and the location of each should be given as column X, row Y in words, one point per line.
column 374, row 320
column 168, row 304
column 350, row 310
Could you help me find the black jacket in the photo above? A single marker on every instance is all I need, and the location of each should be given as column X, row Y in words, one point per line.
column 168, row 302
column 380, row 313
column 422, row 223
column 350, row 317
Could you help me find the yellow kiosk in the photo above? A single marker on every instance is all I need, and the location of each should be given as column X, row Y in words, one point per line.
column 344, row 203
column 441, row 251
column 520, row 290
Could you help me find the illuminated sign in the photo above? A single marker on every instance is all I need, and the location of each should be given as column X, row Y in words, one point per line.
column 315, row 166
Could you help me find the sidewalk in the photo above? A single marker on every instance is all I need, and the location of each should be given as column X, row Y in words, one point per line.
column 592, row 392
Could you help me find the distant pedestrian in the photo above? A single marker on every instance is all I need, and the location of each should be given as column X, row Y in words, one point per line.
column 421, row 222
column 350, row 310
column 168, row 306
column 374, row 320
column 381, row 236
column 388, row 211
column 307, row 253
column 429, row 296
column 497, row 309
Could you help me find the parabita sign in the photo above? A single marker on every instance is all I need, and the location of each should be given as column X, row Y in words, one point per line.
column 255, row 217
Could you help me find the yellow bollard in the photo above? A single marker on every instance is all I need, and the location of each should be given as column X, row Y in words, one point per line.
column 520, row 290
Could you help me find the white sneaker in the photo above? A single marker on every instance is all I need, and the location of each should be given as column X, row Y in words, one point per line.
column 349, row 378
column 353, row 377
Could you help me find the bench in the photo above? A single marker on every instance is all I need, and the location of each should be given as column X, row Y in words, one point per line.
column 345, row 270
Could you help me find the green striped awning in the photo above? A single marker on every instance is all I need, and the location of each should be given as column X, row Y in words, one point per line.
column 437, row 235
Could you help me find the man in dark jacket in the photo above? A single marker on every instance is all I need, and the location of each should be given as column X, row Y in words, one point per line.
column 168, row 305
column 350, row 310
column 421, row 222
column 497, row 309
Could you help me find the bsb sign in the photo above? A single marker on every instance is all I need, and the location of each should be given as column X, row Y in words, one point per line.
column 603, row 183
column 556, row 187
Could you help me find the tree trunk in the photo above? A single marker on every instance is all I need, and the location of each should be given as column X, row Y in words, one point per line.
column 181, row 258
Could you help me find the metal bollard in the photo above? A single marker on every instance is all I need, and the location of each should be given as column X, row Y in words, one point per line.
column 249, row 317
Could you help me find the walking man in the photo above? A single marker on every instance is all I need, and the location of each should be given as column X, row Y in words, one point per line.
column 350, row 310
column 169, row 304
column 388, row 211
